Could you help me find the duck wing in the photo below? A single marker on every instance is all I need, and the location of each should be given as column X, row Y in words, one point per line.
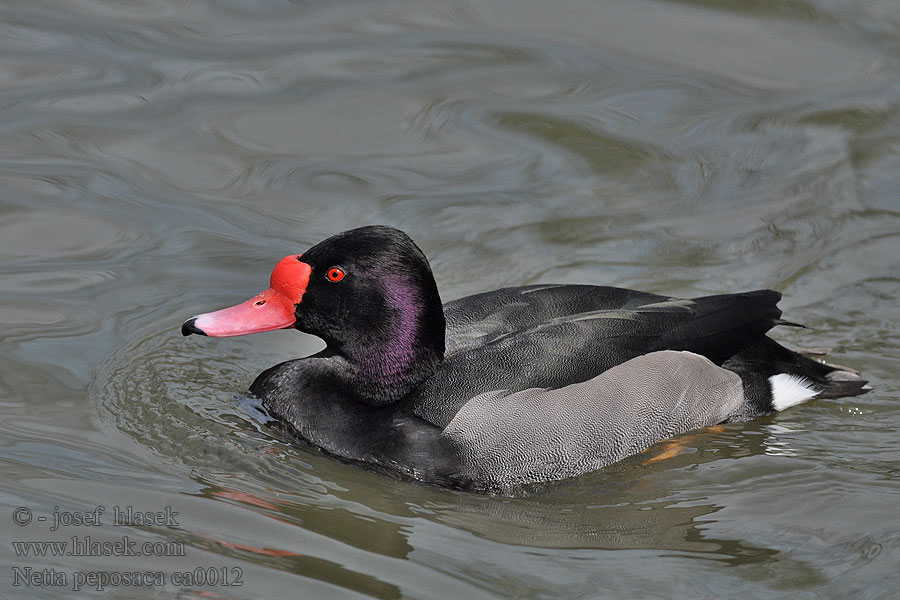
column 529, row 344
column 476, row 320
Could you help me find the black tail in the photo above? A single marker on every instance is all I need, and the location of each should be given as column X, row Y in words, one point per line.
column 724, row 325
column 767, row 357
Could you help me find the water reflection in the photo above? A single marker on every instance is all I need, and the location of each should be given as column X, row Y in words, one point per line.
column 166, row 400
column 163, row 154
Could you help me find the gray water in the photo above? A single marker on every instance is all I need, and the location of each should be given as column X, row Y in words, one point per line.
column 158, row 157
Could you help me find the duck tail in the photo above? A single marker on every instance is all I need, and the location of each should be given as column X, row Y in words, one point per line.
column 724, row 324
column 776, row 378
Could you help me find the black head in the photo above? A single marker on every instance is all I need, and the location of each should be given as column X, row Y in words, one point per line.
column 368, row 292
column 372, row 288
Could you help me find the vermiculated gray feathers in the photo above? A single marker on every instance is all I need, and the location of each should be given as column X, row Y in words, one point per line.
column 540, row 435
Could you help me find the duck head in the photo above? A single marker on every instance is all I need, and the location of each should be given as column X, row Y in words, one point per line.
column 368, row 292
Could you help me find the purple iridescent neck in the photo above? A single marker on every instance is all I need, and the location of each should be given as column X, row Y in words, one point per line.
column 401, row 348
column 409, row 345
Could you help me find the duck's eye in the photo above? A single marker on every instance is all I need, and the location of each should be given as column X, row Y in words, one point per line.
column 335, row 274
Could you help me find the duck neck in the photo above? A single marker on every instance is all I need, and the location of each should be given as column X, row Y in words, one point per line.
column 406, row 348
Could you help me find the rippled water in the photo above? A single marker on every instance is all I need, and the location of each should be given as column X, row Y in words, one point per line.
column 157, row 158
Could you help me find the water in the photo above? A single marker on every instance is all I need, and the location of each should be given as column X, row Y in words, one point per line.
column 157, row 158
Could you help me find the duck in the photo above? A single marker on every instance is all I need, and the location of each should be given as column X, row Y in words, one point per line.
column 516, row 386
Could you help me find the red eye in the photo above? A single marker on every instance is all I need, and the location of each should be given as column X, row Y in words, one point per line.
column 335, row 274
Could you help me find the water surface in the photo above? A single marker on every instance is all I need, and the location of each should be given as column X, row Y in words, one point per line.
column 157, row 158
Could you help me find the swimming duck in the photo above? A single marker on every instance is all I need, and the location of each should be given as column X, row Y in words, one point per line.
column 513, row 386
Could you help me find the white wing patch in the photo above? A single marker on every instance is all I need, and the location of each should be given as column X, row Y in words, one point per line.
column 789, row 390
